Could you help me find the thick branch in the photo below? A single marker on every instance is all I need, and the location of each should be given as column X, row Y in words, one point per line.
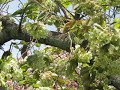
column 10, row 31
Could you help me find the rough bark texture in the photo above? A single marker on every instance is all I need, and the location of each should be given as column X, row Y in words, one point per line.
column 10, row 32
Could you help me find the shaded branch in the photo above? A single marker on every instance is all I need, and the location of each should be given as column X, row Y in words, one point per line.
column 10, row 32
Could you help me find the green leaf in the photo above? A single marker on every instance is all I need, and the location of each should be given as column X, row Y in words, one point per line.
column 16, row 46
column 20, row 11
column 71, row 67
column 5, row 1
column 22, row 82
column 37, row 44
column 23, row 42
column 37, row 61
column 36, row 85
column 66, row 3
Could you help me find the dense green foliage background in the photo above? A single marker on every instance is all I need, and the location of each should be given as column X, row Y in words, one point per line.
column 92, row 28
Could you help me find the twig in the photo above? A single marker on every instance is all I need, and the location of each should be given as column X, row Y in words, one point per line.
column 21, row 2
column 61, row 7
column 22, row 17
column 3, row 5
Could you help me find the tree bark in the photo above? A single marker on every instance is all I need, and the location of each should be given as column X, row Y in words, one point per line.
column 10, row 32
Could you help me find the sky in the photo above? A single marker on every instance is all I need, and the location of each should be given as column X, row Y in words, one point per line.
column 13, row 6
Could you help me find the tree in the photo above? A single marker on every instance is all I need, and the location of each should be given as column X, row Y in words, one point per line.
column 83, row 53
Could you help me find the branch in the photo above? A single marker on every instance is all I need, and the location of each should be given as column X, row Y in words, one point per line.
column 61, row 7
column 64, row 9
column 22, row 17
column 115, row 81
column 10, row 32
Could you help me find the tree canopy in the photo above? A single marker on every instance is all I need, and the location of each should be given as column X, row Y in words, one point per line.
column 83, row 53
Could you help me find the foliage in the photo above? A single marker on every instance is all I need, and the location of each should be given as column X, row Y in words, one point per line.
column 87, row 66
column 4, row 1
